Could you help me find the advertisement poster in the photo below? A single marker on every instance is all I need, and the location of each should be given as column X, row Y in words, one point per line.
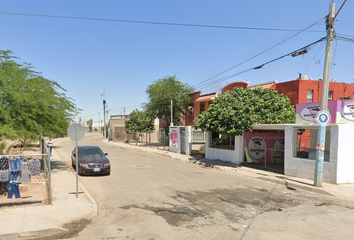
column 262, row 147
column 174, row 137
column 341, row 112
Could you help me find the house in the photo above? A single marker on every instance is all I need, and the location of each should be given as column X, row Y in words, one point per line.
column 198, row 104
column 118, row 131
column 291, row 147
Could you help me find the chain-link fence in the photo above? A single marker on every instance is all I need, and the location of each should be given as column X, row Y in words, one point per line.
column 25, row 178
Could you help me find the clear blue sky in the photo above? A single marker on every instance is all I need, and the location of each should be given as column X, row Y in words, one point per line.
column 88, row 56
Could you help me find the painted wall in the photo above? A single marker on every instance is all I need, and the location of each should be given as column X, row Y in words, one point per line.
column 305, row 168
column 176, row 140
column 340, row 167
column 296, row 90
column 262, row 146
column 291, row 89
column 231, row 86
column 341, row 112
column 236, row 156
column 345, row 165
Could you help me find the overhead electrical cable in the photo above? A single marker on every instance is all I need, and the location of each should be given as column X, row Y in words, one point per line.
column 155, row 23
column 258, row 54
column 293, row 53
column 345, row 39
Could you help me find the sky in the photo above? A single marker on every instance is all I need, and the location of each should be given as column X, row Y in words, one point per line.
column 119, row 48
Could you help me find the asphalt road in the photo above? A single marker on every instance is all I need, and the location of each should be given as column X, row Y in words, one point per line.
column 150, row 196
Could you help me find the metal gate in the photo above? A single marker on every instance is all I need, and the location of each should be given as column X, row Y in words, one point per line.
column 183, row 140
column 198, row 136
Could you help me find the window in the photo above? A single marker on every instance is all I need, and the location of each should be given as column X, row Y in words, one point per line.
column 309, row 95
column 190, row 113
column 202, row 107
column 330, row 95
column 306, row 142
column 223, row 143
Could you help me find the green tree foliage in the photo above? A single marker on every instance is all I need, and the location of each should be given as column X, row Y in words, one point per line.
column 139, row 121
column 89, row 124
column 160, row 94
column 31, row 105
column 235, row 111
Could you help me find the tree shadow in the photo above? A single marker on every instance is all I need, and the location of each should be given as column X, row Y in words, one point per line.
column 57, row 165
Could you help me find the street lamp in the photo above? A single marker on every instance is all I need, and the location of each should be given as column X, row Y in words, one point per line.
column 104, row 124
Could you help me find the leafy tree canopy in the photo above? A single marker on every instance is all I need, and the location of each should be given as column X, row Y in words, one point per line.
column 31, row 105
column 160, row 94
column 235, row 111
column 89, row 124
column 139, row 122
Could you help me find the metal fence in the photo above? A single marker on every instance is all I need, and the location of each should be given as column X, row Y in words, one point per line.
column 37, row 189
column 271, row 159
column 157, row 138
column 198, row 136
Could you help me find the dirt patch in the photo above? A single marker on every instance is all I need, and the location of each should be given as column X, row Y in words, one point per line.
column 233, row 205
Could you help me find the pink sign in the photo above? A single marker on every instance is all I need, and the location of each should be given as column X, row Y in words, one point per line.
column 340, row 111
column 174, row 137
column 263, row 146
column 306, row 112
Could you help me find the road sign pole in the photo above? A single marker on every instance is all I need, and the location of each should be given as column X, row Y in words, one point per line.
column 76, row 132
column 77, row 165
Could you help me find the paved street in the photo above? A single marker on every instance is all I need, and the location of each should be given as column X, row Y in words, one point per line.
column 151, row 196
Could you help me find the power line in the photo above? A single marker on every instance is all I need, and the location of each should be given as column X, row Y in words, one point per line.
column 345, row 39
column 155, row 23
column 262, row 65
column 258, row 54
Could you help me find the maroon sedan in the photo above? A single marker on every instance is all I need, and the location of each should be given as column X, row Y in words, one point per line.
column 92, row 160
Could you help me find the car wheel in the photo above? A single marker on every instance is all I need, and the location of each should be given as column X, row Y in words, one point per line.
column 72, row 164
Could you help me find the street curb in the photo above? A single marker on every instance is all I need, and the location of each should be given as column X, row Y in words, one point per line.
column 45, row 232
column 92, row 200
column 289, row 184
column 40, row 233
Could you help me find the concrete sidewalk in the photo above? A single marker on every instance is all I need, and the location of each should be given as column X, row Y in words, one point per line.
column 344, row 191
column 46, row 220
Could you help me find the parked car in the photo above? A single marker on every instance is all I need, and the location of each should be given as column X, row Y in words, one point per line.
column 91, row 160
column 218, row 143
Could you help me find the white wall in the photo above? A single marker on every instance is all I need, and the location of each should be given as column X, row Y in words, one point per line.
column 345, row 165
column 177, row 147
column 236, row 156
column 187, row 146
column 339, row 169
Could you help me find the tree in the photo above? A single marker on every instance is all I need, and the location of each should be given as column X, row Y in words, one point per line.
column 236, row 111
column 139, row 121
column 89, row 123
column 31, row 105
column 160, row 94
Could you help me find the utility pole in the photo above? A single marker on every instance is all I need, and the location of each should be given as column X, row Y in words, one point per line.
column 321, row 138
column 99, row 122
column 104, row 115
column 107, row 118
column 171, row 112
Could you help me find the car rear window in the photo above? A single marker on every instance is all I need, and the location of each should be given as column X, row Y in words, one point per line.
column 91, row 152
